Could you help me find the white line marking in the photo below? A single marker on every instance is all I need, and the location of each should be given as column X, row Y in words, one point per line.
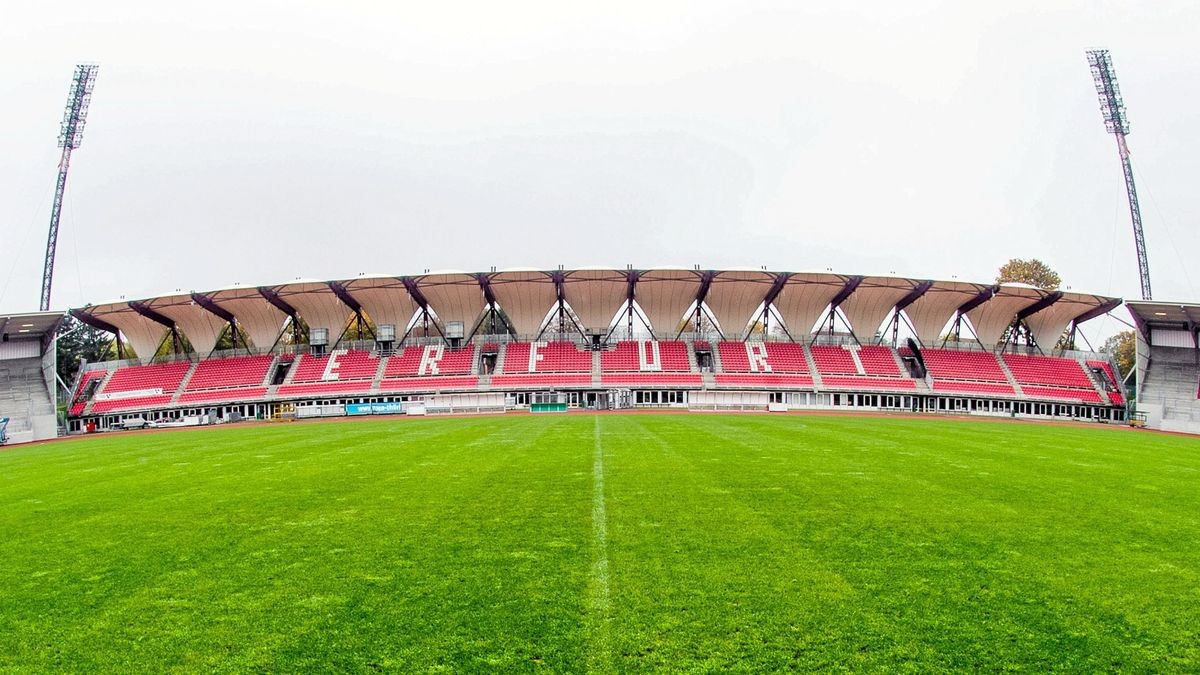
column 599, row 657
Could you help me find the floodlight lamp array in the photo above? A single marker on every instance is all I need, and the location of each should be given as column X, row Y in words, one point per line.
column 1112, row 106
column 75, row 116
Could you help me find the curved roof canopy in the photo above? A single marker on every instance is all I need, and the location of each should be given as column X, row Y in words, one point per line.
column 202, row 328
column 992, row 317
column 385, row 300
column 596, row 295
column 317, row 304
column 803, row 299
column 871, row 301
column 453, row 296
column 734, row 296
column 664, row 295
column 261, row 321
column 930, row 313
column 525, row 296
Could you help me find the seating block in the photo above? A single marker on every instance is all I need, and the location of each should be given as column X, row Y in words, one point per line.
column 955, row 364
column 646, row 356
column 237, row 371
column 546, row 357
column 164, row 376
column 1048, row 370
column 430, row 361
column 340, row 364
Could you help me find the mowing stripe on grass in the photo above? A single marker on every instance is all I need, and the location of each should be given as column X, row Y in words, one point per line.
column 599, row 656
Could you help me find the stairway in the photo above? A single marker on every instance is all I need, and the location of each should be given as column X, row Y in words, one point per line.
column 187, row 377
column 1012, row 379
column 87, row 409
column 378, row 377
column 501, row 350
column 923, row 383
column 1097, row 383
column 597, row 382
column 716, row 357
column 291, row 373
column 812, row 367
column 266, row 381
column 691, row 354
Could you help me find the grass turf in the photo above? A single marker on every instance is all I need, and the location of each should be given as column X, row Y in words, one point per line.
column 613, row 542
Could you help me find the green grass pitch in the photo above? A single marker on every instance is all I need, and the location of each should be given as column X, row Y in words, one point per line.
column 604, row 543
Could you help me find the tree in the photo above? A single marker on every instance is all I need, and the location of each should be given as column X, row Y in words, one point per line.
column 78, row 342
column 1123, row 347
column 1033, row 272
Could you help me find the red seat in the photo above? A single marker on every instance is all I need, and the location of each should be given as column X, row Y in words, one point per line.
column 430, row 360
column 430, row 383
column 341, row 364
column 651, row 379
column 954, row 364
column 762, row 357
column 666, row 356
column 1061, row 393
column 1049, row 370
column 541, row 380
column 212, row 396
column 989, row 388
column 878, row 360
column 330, row 388
column 764, row 380
column 164, row 376
column 548, row 357
column 861, row 382
column 237, row 371
column 79, row 401
column 834, row 360
column 130, row 404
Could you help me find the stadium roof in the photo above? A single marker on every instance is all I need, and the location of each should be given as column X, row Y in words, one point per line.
column 664, row 296
column 28, row 325
column 1167, row 315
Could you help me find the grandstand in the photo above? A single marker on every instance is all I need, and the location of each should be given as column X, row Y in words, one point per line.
column 27, row 375
column 1168, row 364
column 667, row 337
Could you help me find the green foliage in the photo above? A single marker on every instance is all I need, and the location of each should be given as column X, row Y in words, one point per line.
column 1123, row 347
column 225, row 340
column 78, row 342
column 170, row 345
column 606, row 543
column 355, row 333
column 1032, row 271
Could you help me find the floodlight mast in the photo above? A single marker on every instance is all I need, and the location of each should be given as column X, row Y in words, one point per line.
column 70, row 136
column 1112, row 106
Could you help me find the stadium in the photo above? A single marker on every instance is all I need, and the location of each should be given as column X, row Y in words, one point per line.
column 573, row 468
column 602, row 339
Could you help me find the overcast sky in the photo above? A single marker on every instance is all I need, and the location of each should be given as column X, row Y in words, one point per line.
column 258, row 142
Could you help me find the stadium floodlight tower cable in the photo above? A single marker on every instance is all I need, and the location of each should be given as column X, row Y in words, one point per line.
column 70, row 136
column 1113, row 108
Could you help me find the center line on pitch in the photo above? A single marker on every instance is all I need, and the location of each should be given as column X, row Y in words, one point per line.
column 600, row 657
